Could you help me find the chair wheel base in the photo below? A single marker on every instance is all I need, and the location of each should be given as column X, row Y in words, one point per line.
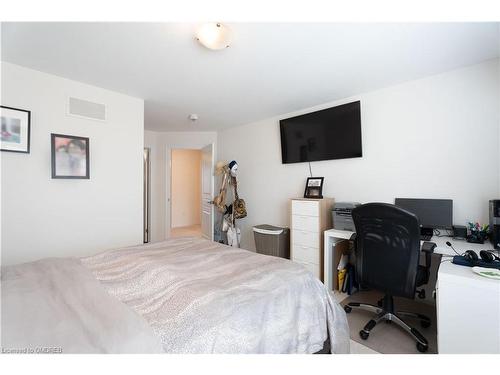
column 389, row 315
column 363, row 334
column 422, row 348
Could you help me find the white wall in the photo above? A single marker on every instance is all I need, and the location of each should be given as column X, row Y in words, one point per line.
column 44, row 217
column 436, row 137
column 161, row 144
column 186, row 188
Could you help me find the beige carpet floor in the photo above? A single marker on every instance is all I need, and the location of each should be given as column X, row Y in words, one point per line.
column 390, row 338
column 193, row 230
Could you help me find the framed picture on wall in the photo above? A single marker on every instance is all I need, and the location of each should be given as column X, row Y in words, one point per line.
column 70, row 156
column 15, row 136
column 314, row 187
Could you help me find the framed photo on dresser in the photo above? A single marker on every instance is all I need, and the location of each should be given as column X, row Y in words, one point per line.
column 314, row 187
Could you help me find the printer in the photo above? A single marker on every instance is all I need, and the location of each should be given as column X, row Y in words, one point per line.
column 342, row 215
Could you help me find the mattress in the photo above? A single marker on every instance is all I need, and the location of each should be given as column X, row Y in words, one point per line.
column 183, row 295
column 204, row 297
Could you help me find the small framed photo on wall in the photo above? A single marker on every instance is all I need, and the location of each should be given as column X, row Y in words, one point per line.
column 70, row 156
column 16, row 123
column 314, row 187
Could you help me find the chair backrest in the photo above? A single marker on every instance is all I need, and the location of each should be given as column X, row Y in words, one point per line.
column 387, row 248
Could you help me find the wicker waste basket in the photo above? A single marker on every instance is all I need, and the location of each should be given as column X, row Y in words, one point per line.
column 272, row 240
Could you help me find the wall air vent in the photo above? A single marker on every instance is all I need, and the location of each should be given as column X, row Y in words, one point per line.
column 85, row 109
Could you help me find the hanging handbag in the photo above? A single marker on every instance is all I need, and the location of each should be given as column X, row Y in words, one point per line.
column 239, row 206
column 233, row 233
column 233, row 236
column 225, row 224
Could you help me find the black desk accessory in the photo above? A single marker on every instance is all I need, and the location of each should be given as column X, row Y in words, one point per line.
column 495, row 223
column 460, row 232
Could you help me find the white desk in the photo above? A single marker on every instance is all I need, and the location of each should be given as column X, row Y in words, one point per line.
column 331, row 237
column 468, row 305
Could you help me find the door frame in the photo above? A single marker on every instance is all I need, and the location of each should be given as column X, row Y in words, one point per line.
column 168, row 179
column 146, row 198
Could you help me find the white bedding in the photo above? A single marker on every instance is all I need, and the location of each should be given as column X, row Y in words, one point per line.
column 55, row 305
column 203, row 297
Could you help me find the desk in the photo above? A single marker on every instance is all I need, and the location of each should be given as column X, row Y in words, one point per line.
column 467, row 305
column 332, row 239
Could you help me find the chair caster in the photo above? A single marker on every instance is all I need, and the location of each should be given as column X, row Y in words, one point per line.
column 425, row 324
column 347, row 309
column 422, row 348
column 363, row 334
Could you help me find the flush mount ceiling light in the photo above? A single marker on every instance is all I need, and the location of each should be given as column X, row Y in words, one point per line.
column 214, row 36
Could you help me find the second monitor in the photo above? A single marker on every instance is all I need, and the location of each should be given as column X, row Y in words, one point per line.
column 432, row 213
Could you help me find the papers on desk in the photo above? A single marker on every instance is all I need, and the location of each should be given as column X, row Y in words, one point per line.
column 347, row 280
column 491, row 273
column 346, row 276
column 341, row 275
column 343, row 262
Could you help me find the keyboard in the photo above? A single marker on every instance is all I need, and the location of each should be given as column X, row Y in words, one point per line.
column 425, row 237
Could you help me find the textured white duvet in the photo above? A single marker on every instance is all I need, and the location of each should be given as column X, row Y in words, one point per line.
column 56, row 305
column 203, row 297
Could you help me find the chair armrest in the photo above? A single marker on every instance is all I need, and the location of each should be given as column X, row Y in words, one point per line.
column 428, row 247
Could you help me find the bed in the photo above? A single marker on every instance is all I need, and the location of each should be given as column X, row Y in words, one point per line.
column 185, row 295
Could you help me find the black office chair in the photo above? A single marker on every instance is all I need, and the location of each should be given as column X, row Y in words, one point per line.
column 387, row 251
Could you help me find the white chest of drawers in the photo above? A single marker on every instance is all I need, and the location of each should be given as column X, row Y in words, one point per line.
column 309, row 219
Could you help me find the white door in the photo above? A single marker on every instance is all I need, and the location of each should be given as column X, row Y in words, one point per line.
column 207, row 188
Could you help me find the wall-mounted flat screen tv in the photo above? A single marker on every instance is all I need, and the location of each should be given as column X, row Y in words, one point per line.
column 332, row 133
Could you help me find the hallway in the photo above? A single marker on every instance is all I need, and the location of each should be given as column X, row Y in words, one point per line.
column 191, row 231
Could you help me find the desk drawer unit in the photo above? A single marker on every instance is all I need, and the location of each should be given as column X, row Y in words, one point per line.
column 309, row 218
column 305, row 208
column 305, row 238
column 305, row 223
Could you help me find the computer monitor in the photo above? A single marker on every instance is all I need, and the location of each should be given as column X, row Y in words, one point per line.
column 431, row 213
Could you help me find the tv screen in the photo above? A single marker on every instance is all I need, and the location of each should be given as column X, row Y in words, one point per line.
column 333, row 133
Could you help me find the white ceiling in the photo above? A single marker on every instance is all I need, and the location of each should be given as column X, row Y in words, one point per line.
column 270, row 68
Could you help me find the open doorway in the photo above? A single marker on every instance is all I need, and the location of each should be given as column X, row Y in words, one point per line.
column 190, row 171
column 185, row 219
